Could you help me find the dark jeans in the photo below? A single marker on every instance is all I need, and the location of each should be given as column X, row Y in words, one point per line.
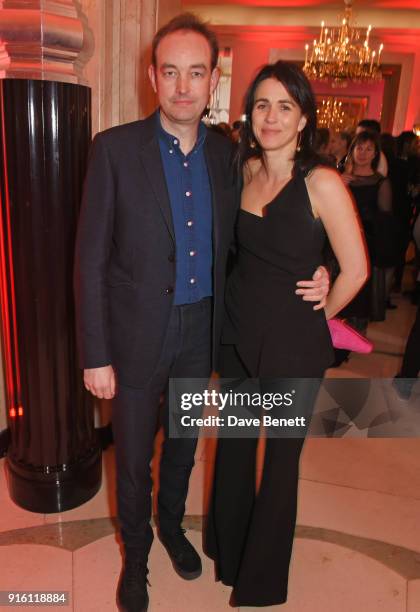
column 411, row 361
column 186, row 353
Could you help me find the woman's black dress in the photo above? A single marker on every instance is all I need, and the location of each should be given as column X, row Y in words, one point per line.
column 270, row 332
column 373, row 197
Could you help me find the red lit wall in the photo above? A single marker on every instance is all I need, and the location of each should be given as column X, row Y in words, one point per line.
column 252, row 47
column 248, row 56
column 413, row 110
column 374, row 92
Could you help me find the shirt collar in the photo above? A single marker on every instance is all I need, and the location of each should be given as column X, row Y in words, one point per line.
column 172, row 142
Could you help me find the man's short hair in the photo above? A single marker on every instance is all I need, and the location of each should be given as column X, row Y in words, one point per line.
column 191, row 23
column 347, row 137
column 371, row 125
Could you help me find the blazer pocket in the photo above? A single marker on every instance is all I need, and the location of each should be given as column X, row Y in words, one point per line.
column 119, row 282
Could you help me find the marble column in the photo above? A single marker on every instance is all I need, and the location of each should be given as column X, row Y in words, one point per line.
column 53, row 460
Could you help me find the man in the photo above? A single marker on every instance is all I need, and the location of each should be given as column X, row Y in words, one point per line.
column 154, row 234
column 339, row 145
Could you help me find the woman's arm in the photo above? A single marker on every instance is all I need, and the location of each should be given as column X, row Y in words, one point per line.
column 382, row 165
column 385, row 196
column 331, row 201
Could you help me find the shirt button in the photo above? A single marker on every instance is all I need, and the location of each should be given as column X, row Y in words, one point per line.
column 188, row 193
column 171, row 150
column 185, row 164
column 192, row 281
column 169, row 290
column 175, row 142
column 190, row 223
column 192, row 253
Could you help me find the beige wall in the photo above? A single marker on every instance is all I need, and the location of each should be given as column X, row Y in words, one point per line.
column 118, row 37
column 118, row 34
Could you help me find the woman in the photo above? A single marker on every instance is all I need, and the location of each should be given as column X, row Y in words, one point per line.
column 408, row 155
column 286, row 202
column 410, row 368
column 373, row 197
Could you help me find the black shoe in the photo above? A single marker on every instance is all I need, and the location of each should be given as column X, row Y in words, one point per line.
column 132, row 593
column 184, row 557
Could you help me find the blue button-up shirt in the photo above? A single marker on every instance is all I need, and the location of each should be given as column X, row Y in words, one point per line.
column 188, row 184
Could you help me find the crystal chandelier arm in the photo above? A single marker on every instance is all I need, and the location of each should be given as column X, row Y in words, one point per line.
column 342, row 53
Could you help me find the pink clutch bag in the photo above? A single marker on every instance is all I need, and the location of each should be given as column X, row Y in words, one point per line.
column 345, row 337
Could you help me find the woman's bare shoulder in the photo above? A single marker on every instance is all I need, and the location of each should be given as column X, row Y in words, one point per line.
column 323, row 175
column 250, row 168
column 322, row 179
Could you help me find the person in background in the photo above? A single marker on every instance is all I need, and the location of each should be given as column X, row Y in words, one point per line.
column 399, row 176
column 407, row 376
column 225, row 127
column 408, row 155
column 236, row 131
column 371, row 125
column 373, row 197
column 219, row 128
column 322, row 141
column 339, row 146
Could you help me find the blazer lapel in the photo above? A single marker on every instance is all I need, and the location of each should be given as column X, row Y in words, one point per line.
column 152, row 162
column 213, row 166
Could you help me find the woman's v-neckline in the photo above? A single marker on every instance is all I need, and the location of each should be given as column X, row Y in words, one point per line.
column 273, row 201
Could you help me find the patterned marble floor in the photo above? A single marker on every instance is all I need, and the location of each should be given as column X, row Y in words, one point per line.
column 357, row 545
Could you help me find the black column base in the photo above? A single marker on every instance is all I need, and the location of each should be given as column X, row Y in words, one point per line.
column 55, row 489
column 4, row 442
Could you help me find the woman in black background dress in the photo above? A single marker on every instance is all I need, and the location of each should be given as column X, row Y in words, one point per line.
column 270, row 332
column 373, row 197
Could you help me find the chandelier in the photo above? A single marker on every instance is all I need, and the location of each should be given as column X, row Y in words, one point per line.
column 330, row 114
column 343, row 54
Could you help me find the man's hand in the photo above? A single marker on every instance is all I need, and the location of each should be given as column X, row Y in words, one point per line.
column 315, row 290
column 100, row 381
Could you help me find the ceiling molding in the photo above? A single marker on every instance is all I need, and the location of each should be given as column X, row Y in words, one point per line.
column 218, row 14
column 404, row 39
column 380, row 4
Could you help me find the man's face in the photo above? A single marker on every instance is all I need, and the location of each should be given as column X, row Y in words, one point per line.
column 337, row 145
column 182, row 77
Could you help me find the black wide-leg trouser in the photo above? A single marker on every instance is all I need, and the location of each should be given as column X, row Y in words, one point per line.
column 186, row 353
column 249, row 535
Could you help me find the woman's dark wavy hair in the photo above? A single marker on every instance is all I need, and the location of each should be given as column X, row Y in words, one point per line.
column 299, row 88
column 361, row 138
